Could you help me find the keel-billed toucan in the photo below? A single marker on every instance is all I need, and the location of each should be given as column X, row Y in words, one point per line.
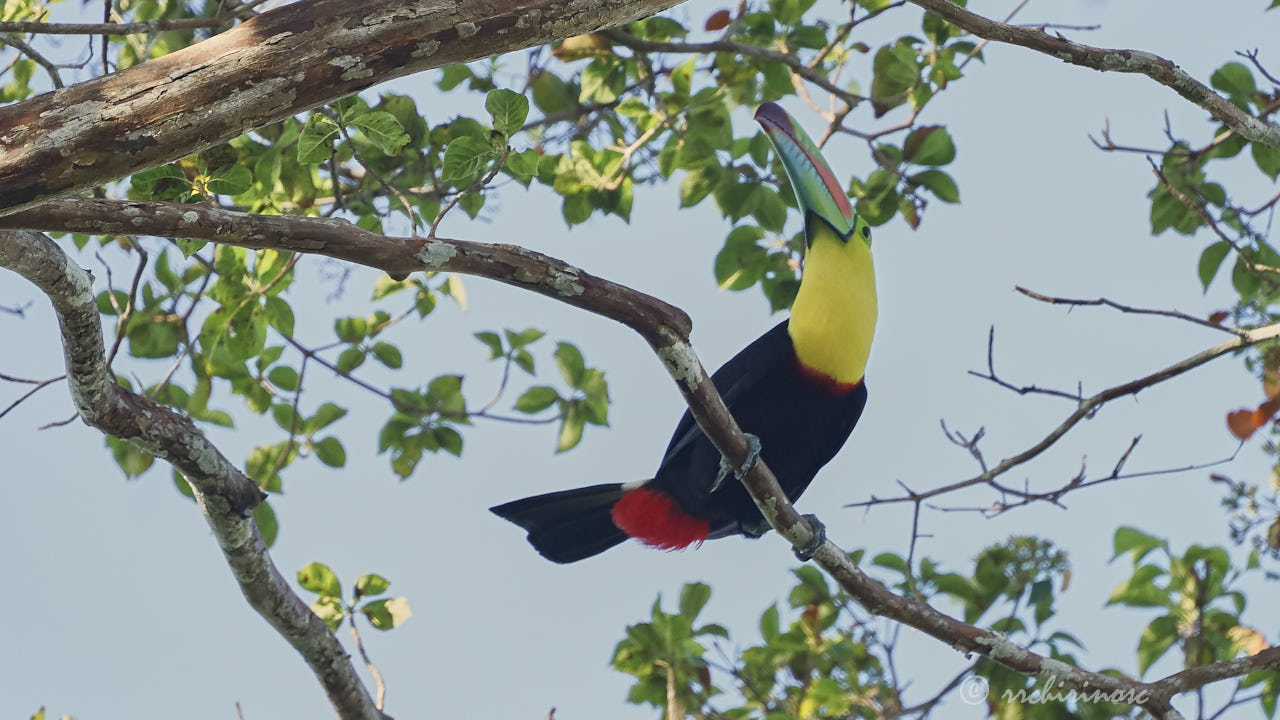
column 799, row 389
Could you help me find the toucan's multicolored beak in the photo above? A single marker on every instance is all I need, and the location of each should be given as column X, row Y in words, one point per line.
column 818, row 193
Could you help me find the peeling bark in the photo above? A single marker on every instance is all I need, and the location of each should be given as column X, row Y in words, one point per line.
column 279, row 63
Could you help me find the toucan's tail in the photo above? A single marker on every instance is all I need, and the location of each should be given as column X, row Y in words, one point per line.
column 569, row 525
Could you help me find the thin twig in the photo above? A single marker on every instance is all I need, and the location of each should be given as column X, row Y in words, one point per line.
column 1089, row 406
column 147, row 27
column 1128, row 309
column 21, row 46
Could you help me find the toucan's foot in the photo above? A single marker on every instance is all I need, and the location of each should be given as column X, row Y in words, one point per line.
column 754, row 529
column 752, row 457
column 805, row 554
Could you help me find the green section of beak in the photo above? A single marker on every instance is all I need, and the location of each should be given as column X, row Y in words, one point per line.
column 818, row 192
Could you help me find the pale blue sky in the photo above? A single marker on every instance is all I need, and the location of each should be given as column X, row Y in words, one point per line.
column 120, row 604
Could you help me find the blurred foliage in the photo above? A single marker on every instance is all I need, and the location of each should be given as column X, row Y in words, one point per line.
column 822, row 656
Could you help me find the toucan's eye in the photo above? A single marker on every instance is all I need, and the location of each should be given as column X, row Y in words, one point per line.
column 866, row 232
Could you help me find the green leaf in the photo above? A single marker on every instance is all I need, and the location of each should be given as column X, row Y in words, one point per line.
column 453, row 75
column 190, row 247
column 770, row 626
column 697, row 185
column 741, row 262
column 388, row 355
column 1132, row 539
column 1267, row 158
column 167, row 182
column 326, row 415
column 464, row 159
column 284, row 377
column 1156, row 640
column 449, row 440
column 1210, row 260
column 268, row 526
column 350, row 359
column 351, row 329
column 132, row 460
column 929, row 145
column 570, row 429
column 892, row 562
column 523, row 360
column 508, row 110
column 597, row 84
column 370, row 584
column 938, row 183
column 266, row 174
column 528, row 336
column 315, row 144
column 493, row 342
column 318, row 578
column 524, row 163
column 387, row 614
column 694, row 597
column 1141, row 590
column 550, row 93
column 330, row 452
column 279, row 315
column 383, row 130
column 576, row 208
column 1235, row 80
column 329, row 609
column 569, row 360
column 536, row 399
column 230, row 180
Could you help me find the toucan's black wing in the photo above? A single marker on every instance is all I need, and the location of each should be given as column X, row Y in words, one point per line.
column 736, row 379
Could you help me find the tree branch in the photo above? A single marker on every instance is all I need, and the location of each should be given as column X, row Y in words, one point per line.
column 225, row 495
column 1088, row 406
column 793, row 62
column 1111, row 60
column 666, row 329
column 273, row 66
column 147, row 27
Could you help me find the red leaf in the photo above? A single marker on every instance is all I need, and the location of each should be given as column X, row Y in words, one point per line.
column 1218, row 317
column 1241, row 424
column 719, row 20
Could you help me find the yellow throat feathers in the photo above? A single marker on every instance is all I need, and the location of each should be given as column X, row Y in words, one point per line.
column 833, row 318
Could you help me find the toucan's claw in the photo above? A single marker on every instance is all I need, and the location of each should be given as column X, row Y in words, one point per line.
column 805, row 554
column 754, row 529
column 752, row 457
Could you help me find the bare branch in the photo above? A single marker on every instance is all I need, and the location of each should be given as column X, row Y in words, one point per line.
column 1089, row 406
column 21, row 46
column 1127, row 61
column 1128, row 309
column 147, row 27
